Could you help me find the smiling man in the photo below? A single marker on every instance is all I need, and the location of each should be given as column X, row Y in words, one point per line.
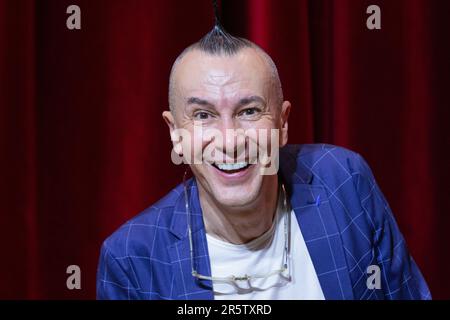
column 317, row 228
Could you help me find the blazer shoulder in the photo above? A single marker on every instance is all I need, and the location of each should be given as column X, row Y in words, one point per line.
column 324, row 164
column 136, row 235
column 323, row 157
column 313, row 153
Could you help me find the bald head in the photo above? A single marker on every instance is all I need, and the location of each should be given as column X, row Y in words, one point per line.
column 222, row 50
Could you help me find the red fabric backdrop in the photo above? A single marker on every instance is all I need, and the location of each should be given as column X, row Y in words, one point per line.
column 83, row 146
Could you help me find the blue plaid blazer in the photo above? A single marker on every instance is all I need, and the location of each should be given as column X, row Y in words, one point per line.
column 343, row 216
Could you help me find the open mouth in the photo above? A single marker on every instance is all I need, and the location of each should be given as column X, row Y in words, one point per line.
column 230, row 168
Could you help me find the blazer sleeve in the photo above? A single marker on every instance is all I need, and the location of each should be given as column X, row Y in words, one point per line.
column 400, row 276
column 113, row 280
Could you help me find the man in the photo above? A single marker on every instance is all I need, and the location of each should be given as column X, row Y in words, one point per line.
column 318, row 228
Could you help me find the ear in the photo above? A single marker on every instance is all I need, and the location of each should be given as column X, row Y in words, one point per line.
column 174, row 136
column 285, row 109
column 169, row 119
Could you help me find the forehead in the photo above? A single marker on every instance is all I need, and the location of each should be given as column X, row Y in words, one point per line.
column 246, row 72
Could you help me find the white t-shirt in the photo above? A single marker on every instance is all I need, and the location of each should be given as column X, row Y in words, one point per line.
column 261, row 256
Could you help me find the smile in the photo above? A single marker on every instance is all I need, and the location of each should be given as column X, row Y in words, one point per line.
column 230, row 168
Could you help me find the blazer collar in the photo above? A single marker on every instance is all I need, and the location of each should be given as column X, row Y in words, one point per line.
column 178, row 225
column 317, row 221
column 291, row 171
column 313, row 212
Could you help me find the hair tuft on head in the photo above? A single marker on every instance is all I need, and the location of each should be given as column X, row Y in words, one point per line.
column 216, row 13
column 219, row 41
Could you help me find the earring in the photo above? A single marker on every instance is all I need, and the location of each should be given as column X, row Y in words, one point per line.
column 178, row 149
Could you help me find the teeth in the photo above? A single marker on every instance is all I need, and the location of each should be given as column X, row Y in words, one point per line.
column 231, row 166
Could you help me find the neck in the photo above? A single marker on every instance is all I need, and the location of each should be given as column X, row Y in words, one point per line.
column 242, row 224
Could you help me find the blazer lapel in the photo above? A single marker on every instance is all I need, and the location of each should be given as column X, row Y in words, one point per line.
column 186, row 286
column 319, row 229
column 318, row 225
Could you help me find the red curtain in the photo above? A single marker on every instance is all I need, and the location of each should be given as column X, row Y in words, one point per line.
column 83, row 146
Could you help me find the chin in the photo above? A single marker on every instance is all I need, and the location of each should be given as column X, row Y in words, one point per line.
column 237, row 195
column 235, row 199
column 233, row 188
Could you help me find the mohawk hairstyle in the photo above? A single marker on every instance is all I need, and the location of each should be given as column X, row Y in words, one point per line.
column 219, row 41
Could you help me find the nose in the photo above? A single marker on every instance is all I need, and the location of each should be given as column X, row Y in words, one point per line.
column 232, row 142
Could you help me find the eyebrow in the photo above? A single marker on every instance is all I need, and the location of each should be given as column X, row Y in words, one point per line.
column 242, row 102
column 247, row 100
column 199, row 101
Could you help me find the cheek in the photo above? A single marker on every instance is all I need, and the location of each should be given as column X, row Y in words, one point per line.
column 264, row 133
column 192, row 144
column 263, row 127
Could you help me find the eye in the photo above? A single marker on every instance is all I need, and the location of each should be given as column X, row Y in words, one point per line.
column 249, row 112
column 202, row 115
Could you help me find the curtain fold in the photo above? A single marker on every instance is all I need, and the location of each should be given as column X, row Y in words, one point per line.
column 18, row 178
